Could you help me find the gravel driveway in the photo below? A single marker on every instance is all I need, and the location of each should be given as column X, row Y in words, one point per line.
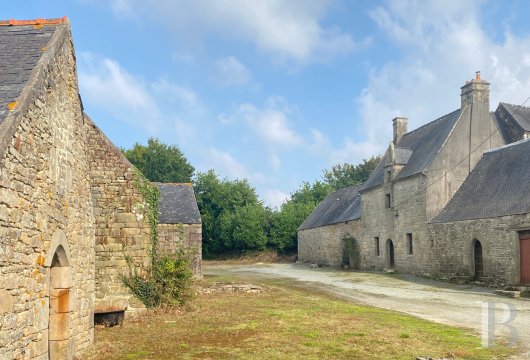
column 460, row 305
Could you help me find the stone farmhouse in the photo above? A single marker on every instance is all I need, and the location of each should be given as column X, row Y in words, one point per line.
column 71, row 215
column 450, row 199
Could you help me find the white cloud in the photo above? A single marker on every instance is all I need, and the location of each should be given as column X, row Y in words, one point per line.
column 271, row 122
column 230, row 72
column 121, row 8
column 178, row 94
column 275, row 198
column 106, row 85
column 319, row 142
column 275, row 161
column 227, row 165
column 152, row 106
column 444, row 43
column 292, row 29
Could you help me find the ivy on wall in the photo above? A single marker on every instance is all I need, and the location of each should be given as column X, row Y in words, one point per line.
column 169, row 279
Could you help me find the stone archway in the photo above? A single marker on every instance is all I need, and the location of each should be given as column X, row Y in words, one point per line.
column 478, row 263
column 58, row 261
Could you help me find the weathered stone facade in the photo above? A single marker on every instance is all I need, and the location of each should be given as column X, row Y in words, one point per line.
column 46, row 215
column 332, row 245
column 499, row 238
column 122, row 235
column 183, row 236
column 71, row 216
column 416, row 179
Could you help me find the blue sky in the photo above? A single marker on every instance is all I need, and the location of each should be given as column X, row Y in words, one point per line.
column 276, row 91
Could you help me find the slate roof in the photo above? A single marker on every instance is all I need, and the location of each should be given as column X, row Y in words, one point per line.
column 177, row 204
column 498, row 185
column 340, row 206
column 21, row 46
column 424, row 142
column 520, row 114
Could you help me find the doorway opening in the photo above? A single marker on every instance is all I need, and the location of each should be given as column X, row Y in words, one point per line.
column 524, row 257
column 390, row 252
column 350, row 253
column 59, row 318
column 478, row 264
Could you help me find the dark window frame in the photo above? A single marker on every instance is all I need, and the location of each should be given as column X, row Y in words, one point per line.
column 410, row 244
column 377, row 246
column 388, row 201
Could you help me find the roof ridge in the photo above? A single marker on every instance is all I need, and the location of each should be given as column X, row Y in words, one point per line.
column 432, row 122
column 174, row 183
column 37, row 21
column 507, row 146
column 514, row 105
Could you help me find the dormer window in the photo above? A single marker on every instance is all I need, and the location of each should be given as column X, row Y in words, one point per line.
column 388, row 176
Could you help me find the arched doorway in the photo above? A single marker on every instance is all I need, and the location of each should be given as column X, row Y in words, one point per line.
column 59, row 299
column 478, row 264
column 350, row 253
column 390, row 253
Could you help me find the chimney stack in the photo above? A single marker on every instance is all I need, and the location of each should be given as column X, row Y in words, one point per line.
column 400, row 128
column 476, row 91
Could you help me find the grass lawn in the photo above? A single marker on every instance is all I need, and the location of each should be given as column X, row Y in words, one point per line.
column 284, row 322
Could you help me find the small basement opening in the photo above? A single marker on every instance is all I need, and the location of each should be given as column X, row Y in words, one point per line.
column 109, row 319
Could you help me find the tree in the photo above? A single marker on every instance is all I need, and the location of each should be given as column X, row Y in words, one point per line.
column 342, row 176
column 283, row 233
column 311, row 194
column 160, row 162
column 233, row 218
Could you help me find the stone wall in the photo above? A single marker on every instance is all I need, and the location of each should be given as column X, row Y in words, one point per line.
column 182, row 236
column 45, row 205
column 122, row 234
column 406, row 216
column 453, row 244
column 474, row 132
column 325, row 245
column 513, row 130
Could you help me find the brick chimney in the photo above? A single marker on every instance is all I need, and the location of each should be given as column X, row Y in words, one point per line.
column 400, row 128
column 476, row 91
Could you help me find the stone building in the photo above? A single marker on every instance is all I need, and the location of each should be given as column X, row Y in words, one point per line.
column 483, row 232
column 71, row 216
column 417, row 177
column 179, row 222
column 329, row 234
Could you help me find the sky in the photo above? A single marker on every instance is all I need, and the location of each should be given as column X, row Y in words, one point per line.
column 276, row 91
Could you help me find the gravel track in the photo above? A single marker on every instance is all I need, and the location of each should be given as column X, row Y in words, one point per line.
column 457, row 305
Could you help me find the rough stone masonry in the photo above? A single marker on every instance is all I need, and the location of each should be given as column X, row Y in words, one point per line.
column 71, row 218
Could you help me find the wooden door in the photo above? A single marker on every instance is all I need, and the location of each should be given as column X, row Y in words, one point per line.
column 524, row 251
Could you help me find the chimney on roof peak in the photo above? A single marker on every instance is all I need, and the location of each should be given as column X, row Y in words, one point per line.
column 476, row 91
column 400, row 128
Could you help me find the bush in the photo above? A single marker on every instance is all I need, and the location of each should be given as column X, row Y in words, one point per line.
column 168, row 282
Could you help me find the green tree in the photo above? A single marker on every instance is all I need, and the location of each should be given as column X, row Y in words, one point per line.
column 160, row 162
column 342, row 176
column 311, row 193
column 283, row 233
column 233, row 218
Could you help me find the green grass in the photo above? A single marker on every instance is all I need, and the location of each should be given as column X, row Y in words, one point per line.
column 285, row 322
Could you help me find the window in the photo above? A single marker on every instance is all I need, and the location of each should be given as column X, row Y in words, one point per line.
column 409, row 243
column 388, row 176
column 376, row 243
column 388, row 203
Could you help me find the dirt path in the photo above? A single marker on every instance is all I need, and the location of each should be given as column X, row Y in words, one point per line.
column 459, row 305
